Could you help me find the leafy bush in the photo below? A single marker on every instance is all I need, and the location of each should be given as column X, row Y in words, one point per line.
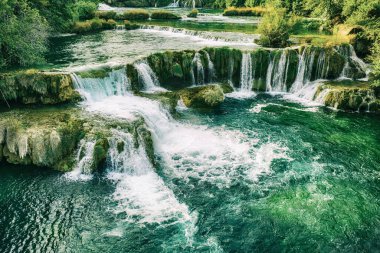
column 85, row 10
column 245, row 11
column 136, row 15
column 109, row 24
column 93, row 25
column 274, row 29
column 23, row 35
column 82, row 27
column 106, row 14
column 96, row 24
column 193, row 13
column 130, row 26
column 163, row 15
column 303, row 25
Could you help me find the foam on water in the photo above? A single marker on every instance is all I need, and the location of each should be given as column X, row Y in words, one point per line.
column 264, row 157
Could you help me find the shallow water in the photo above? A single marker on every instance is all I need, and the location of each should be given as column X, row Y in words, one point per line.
column 255, row 175
column 115, row 48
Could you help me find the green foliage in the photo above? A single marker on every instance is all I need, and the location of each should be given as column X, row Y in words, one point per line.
column 106, row 14
column 302, row 25
column 130, row 26
column 85, row 10
column 253, row 11
column 274, row 29
column 193, row 13
column 109, row 24
column 93, row 25
column 163, row 15
column 375, row 58
column 23, row 34
column 136, row 15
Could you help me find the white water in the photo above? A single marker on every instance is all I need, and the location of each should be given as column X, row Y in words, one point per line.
column 174, row 4
column 116, row 83
column 211, row 69
column 350, row 56
column 84, row 161
column 246, row 74
column 208, row 38
column 197, row 71
column 147, row 77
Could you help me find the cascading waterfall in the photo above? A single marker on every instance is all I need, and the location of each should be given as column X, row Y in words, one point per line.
column 246, row 74
column 197, row 71
column 279, row 75
column 225, row 37
column 147, row 77
column 84, row 161
column 211, row 68
column 174, row 4
column 351, row 57
column 305, row 68
column 115, row 83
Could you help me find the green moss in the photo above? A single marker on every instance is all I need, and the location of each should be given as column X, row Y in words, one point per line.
column 203, row 96
column 37, row 88
column 100, row 152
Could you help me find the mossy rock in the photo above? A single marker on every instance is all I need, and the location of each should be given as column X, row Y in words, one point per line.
column 32, row 87
column 202, row 97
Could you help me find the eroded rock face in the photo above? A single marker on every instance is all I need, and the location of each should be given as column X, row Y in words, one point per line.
column 52, row 138
column 41, row 138
column 33, row 87
column 348, row 97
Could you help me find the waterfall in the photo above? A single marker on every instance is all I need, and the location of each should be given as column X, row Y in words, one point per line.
column 198, row 76
column 280, row 73
column 246, row 74
column 174, row 4
column 225, row 37
column 211, row 68
column 84, row 161
column 304, row 70
column 120, row 27
column 147, row 77
column 277, row 73
column 115, row 83
column 348, row 52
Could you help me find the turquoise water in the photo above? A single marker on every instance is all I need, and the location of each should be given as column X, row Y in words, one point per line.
column 309, row 183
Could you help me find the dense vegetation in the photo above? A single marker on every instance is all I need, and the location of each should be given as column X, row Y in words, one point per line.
column 25, row 25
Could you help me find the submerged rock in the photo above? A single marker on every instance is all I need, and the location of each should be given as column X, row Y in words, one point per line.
column 33, row 87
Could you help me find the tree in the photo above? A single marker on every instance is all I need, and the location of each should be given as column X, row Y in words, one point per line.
column 23, row 34
column 274, row 28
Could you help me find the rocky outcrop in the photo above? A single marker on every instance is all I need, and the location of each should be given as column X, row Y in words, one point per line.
column 203, row 96
column 39, row 137
column 34, row 87
column 52, row 138
column 348, row 96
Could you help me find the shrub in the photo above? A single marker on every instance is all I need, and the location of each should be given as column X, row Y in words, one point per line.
column 245, row 11
column 135, row 15
column 163, row 15
column 193, row 13
column 93, row 25
column 82, row 27
column 85, row 10
column 109, row 24
column 96, row 24
column 274, row 29
column 130, row 26
column 106, row 14
column 304, row 25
